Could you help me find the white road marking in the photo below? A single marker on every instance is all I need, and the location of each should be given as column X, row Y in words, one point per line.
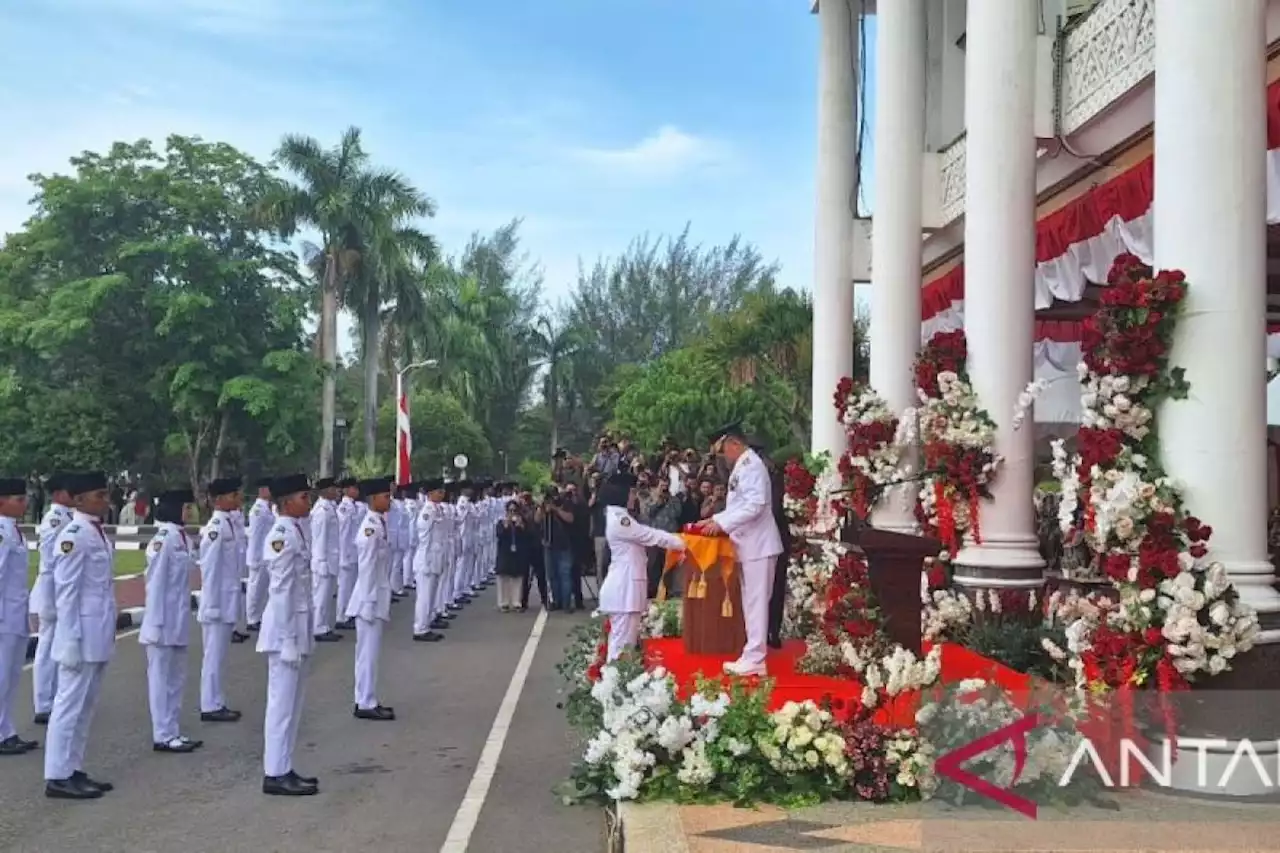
column 122, row 635
column 468, row 814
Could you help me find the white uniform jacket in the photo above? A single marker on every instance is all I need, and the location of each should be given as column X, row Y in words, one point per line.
column 41, row 604
column 349, row 516
column 433, row 531
column 324, row 538
column 371, row 595
column 13, row 580
column 242, row 540
column 219, row 570
column 626, row 588
column 84, row 592
column 748, row 513
column 167, row 617
column 287, row 619
column 261, row 519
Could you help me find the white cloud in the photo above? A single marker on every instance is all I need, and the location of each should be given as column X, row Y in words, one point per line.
column 242, row 18
column 666, row 153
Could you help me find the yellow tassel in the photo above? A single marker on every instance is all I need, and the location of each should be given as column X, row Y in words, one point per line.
column 726, row 609
column 662, row 589
column 702, row 588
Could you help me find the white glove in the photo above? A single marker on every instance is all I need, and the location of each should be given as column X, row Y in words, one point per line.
column 48, row 617
column 211, row 614
column 679, row 546
column 70, row 657
column 366, row 612
column 150, row 635
column 289, row 655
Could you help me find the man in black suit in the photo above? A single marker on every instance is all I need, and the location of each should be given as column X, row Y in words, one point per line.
column 778, row 597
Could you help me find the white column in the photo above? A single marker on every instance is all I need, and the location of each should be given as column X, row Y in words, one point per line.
column 837, row 181
column 896, row 236
column 1210, row 220
column 999, row 309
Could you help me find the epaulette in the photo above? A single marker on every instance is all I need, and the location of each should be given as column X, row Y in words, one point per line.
column 75, row 528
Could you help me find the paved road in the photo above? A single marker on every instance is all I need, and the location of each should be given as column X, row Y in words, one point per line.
column 395, row 785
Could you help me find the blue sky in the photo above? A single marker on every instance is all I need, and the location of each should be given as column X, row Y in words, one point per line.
column 595, row 121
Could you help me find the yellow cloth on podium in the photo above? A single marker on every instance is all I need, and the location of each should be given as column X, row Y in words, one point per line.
column 705, row 552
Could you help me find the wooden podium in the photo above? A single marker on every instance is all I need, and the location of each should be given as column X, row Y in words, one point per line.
column 712, row 606
column 895, row 561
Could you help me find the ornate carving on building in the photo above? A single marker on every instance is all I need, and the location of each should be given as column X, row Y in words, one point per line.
column 953, row 160
column 1106, row 55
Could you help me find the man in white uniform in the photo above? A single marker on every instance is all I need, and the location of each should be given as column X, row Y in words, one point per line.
column 287, row 637
column 219, row 597
column 84, row 638
column 166, row 619
column 13, row 610
column 370, row 604
column 624, row 593
column 261, row 518
column 433, row 528
column 350, row 514
column 325, row 556
column 748, row 520
column 44, row 672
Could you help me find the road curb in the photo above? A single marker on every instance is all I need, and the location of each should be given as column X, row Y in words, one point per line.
column 648, row 828
column 127, row 619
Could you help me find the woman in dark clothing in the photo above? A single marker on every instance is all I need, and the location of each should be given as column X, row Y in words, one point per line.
column 513, row 558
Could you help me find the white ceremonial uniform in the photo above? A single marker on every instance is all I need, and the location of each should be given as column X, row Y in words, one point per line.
column 44, row 672
column 349, row 515
column 261, row 519
column 219, row 603
column 165, row 627
column 13, row 619
column 396, row 539
column 465, row 562
column 370, row 604
column 325, row 554
column 624, row 595
column 432, row 524
column 496, row 510
column 287, row 637
column 84, row 639
column 407, row 574
column 242, row 541
column 448, row 548
column 748, row 519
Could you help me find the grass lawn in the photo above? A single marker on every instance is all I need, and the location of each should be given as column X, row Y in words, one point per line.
column 127, row 563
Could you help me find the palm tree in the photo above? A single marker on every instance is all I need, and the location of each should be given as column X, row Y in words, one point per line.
column 555, row 342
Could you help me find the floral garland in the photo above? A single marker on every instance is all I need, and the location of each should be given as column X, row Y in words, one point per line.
column 871, row 459
column 957, row 440
column 1178, row 615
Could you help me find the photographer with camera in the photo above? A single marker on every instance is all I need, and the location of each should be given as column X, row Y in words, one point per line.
column 556, row 518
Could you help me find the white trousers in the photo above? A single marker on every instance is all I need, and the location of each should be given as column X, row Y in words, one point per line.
column 396, row 565
column 166, row 679
column 757, row 584
column 217, row 642
column 406, row 567
column 624, row 632
column 255, row 595
column 426, row 602
column 508, row 591
column 462, row 574
column 368, row 645
column 13, row 652
column 346, row 583
column 322, row 602
column 286, row 690
column 44, row 672
column 444, row 588
column 69, row 722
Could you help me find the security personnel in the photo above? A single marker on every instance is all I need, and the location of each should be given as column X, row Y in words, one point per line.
column 325, row 557
column 370, row 604
column 748, row 520
column 219, row 597
column 350, row 514
column 261, row 519
column 287, row 636
column 13, row 610
column 164, row 634
column 44, row 672
column 624, row 593
column 433, row 527
column 84, row 637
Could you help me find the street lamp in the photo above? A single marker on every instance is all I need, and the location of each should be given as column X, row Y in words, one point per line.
column 404, row 447
column 506, row 471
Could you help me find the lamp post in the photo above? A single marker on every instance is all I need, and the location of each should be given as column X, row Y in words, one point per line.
column 506, row 471
column 339, row 444
column 404, row 446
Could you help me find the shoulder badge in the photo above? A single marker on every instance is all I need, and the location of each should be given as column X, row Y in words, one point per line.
column 75, row 528
column 162, row 532
column 277, row 545
column 733, row 483
column 368, row 531
column 156, row 546
column 625, row 521
column 213, row 535
column 66, row 546
column 55, row 521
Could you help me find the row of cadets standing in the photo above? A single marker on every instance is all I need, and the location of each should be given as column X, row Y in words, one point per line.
column 44, row 672
column 351, row 513
column 325, row 558
column 370, row 604
column 13, row 611
column 223, row 548
column 433, row 528
column 398, row 536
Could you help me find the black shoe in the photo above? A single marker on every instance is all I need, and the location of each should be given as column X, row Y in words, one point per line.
column 328, row 637
column 255, row 627
column 238, row 636
column 41, row 719
column 349, row 625
column 71, row 789
column 455, row 608
column 774, row 641
column 395, row 598
column 378, row 713
column 409, row 588
column 104, row 787
column 287, row 786
column 439, row 624
column 14, row 745
column 306, row 780
column 428, row 637
column 449, row 615
column 222, row 715
column 177, row 745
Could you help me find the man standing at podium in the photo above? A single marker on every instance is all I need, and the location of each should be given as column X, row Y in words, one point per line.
column 748, row 520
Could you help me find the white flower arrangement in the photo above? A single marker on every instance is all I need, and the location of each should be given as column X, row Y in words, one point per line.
column 662, row 619
column 804, row 739
column 955, row 418
column 881, row 464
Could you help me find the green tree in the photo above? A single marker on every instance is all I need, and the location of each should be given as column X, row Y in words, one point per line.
column 441, row 429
